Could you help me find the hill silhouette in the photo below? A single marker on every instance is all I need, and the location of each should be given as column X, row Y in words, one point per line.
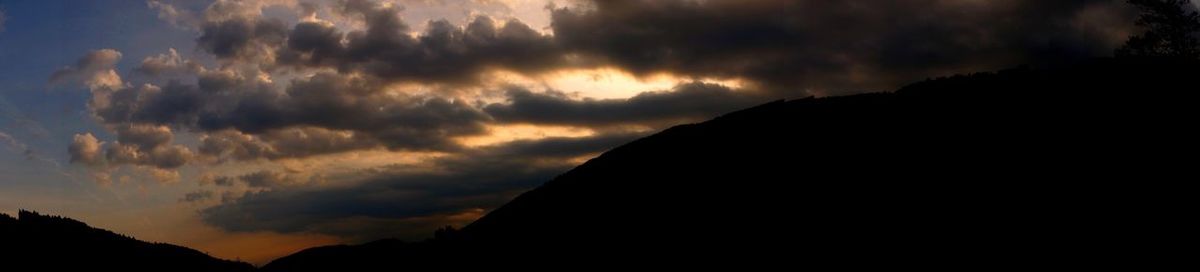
column 35, row 242
column 1027, row 167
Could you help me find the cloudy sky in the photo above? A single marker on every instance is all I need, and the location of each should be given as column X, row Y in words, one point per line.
column 250, row 129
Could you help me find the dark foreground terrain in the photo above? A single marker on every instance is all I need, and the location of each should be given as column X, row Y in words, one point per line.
column 35, row 242
column 1024, row 168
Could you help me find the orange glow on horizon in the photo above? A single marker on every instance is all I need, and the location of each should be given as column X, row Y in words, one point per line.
column 604, row 82
column 259, row 248
column 498, row 134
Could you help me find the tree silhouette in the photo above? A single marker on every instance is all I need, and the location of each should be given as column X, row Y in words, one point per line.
column 1171, row 27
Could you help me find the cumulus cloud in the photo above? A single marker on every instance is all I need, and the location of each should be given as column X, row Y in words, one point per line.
column 687, row 102
column 443, row 53
column 95, row 70
column 246, row 119
column 147, row 145
column 241, row 37
column 168, row 63
column 85, row 148
column 148, row 148
column 330, row 101
column 173, row 104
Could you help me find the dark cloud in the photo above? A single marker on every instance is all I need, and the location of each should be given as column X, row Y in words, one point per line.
column 687, row 102
column 838, row 45
column 148, row 145
column 325, row 113
column 338, row 102
column 174, row 104
column 283, row 143
column 222, row 81
column 240, row 36
column 443, row 53
column 399, row 196
column 314, row 44
column 816, row 46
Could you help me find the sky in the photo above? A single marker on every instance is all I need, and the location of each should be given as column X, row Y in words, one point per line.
column 250, row 129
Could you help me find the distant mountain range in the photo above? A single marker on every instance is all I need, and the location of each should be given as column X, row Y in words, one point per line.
column 1034, row 167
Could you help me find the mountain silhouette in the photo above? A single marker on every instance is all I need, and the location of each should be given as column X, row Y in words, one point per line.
column 1026, row 167
column 35, row 242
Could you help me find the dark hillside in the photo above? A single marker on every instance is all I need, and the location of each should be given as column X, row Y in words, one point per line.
column 34, row 242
